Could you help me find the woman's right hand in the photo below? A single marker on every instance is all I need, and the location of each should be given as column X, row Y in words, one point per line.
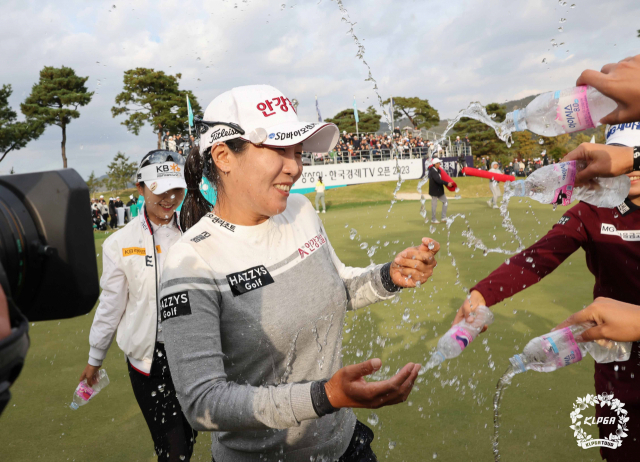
column 473, row 301
column 90, row 373
column 348, row 388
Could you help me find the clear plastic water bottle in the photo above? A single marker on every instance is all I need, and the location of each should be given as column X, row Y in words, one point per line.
column 564, row 111
column 460, row 336
column 554, row 184
column 84, row 392
column 559, row 348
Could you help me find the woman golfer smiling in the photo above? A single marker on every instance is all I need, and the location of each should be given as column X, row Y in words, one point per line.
column 254, row 297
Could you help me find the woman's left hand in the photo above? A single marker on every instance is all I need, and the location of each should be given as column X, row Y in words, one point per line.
column 414, row 264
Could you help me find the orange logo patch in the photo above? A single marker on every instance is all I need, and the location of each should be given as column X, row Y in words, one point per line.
column 133, row 251
column 175, row 168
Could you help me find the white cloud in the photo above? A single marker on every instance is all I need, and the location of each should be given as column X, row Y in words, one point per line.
column 449, row 52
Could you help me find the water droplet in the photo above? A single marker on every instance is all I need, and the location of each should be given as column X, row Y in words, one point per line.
column 198, row 58
column 392, row 444
column 560, row 29
column 573, row 5
column 352, row 234
column 431, row 246
column 615, row 368
column 153, row 393
column 283, row 6
column 373, row 419
column 364, row 245
column 544, row 60
column 529, row 259
column 432, row 229
column 563, row 20
column 540, row 141
column 435, row 455
column 359, row 353
column 507, row 261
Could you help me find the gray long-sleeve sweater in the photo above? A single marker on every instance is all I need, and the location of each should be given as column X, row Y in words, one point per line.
column 251, row 316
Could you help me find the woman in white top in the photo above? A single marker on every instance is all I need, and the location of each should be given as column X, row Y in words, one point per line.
column 132, row 266
column 494, row 186
column 254, row 297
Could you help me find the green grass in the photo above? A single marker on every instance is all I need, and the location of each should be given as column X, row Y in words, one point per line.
column 349, row 196
column 449, row 412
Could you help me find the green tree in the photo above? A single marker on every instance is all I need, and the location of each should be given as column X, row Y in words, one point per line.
column 120, row 172
column 155, row 98
column 418, row 111
column 93, row 183
column 55, row 99
column 484, row 141
column 369, row 121
column 525, row 145
column 13, row 134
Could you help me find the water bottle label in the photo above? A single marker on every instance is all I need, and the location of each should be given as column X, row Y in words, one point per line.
column 84, row 391
column 566, row 172
column 462, row 337
column 567, row 353
column 573, row 111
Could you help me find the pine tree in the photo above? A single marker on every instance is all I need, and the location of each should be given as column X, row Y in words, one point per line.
column 369, row 122
column 55, row 99
column 14, row 135
column 120, row 172
column 155, row 98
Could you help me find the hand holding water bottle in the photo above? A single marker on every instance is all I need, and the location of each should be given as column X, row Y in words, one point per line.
column 473, row 301
column 602, row 161
column 90, row 374
column 614, row 320
column 620, row 82
column 84, row 392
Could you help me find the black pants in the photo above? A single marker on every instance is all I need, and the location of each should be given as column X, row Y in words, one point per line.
column 172, row 435
column 114, row 221
column 359, row 449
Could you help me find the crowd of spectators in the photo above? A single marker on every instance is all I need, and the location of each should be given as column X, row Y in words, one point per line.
column 519, row 167
column 365, row 147
column 177, row 143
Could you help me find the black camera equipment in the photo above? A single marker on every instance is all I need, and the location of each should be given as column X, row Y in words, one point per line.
column 48, row 267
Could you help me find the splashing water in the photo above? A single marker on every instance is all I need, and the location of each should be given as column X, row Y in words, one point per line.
column 478, row 112
column 503, row 383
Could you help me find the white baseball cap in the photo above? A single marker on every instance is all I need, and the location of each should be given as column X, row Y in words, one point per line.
column 262, row 115
column 162, row 171
column 101, row 197
column 435, row 160
column 624, row 134
column 131, row 196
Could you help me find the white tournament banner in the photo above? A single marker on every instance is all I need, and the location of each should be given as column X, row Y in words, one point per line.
column 334, row 175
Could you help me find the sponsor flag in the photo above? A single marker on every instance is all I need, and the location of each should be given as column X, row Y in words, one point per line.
column 355, row 110
column 190, row 111
column 391, row 113
column 318, row 110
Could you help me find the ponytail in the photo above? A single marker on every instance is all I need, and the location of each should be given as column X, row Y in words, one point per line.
column 197, row 166
column 195, row 205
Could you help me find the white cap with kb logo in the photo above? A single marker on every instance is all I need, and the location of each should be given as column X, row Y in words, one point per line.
column 162, row 171
column 266, row 117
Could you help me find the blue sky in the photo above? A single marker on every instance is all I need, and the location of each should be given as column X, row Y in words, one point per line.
column 450, row 52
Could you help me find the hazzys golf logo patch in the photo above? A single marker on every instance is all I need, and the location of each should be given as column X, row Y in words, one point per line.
column 174, row 305
column 248, row 280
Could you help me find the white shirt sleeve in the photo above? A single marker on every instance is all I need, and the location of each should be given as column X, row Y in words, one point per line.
column 113, row 301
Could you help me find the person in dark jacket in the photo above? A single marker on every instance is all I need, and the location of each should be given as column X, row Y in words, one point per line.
column 113, row 222
column 436, row 190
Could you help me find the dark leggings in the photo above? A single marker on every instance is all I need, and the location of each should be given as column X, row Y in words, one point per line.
column 172, row 435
